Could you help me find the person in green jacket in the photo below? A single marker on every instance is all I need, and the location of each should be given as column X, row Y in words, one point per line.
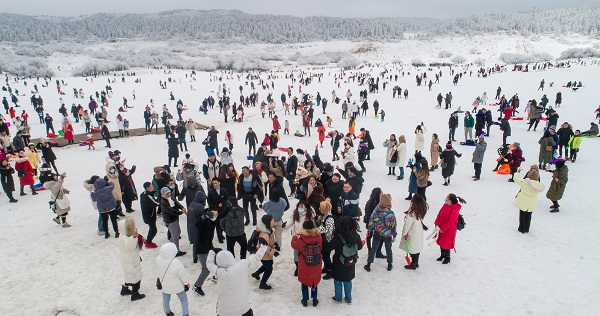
column 574, row 144
column 469, row 122
column 560, row 177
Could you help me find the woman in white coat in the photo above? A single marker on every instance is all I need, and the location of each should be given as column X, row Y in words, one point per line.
column 420, row 137
column 526, row 199
column 172, row 275
column 232, row 288
column 348, row 154
column 412, row 232
column 129, row 249
column 401, row 148
column 391, row 157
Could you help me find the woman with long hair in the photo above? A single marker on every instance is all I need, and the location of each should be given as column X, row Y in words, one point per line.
column 421, row 170
column 445, row 226
column 412, row 231
column 303, row 212
column 345, row 233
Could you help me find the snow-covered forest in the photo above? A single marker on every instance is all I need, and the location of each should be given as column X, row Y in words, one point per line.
column 236, row 26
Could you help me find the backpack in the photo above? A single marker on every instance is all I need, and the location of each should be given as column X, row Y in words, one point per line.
column 349, row 254
column 253, row 242
column 312, row 254
column 460, row 224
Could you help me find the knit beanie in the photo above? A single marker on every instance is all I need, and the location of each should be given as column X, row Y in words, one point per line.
column 385, row 201
column 560, row 163
column 534, row 173
column 308, row 224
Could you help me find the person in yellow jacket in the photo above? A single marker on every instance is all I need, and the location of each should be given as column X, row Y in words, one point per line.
column 34, row 158
column 574, row 144
column 526, row 200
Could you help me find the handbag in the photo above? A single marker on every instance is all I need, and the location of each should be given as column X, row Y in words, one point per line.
column 158, row 281
column 460, row 223
column 548, row 147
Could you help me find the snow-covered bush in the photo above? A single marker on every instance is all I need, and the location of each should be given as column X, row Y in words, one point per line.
column 348, row 62
column 474, row 51
column 205, row 64
column 479, row 61
column 417, row 62
column 458, row 59
column 573, row 53
column 511, row 58
column 397, row 61
column 444, row 54
column 295, row 56
column 99, row 66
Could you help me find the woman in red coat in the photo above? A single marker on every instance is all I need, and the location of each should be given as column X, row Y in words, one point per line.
column 309, row 244
column 445, row 225
column 321, row 132
column 276, row 125
column 25, row 172
column 67, row 129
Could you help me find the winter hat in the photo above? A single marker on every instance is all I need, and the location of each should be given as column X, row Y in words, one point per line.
column 559, row 163
column 517, row 144
column 449, row 145
column 308, row 225
column 22, row 154
column 164, row 191
column 534, row 173
column 385, row 201
column 117, row 152
column 552, row 127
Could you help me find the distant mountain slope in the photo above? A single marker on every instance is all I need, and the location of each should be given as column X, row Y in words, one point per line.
column 232, row 25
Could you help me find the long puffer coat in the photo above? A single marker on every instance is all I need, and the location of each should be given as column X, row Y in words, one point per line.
column 545, row 156
column 171, row 271
column 391, row 145
column 103, row 196
column 557, row 189
column 27, row 178
column 446, row 221
column 114, row 178
column 448, row 159
column 307, row 275
column 131, row 262
column 413, row 230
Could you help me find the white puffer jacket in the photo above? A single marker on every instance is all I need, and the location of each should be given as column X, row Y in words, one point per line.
column 176, row 274
column 130, row 258
column 232, row 289
column 414, row 229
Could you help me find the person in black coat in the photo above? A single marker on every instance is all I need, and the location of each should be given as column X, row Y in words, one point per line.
column 105, row 133
column 251, row 194
column 448, row 161
column 171, row 210
column 217, row 200
column 505, row 128
column 290, row 170
column 345, row 232
column 353, row 177
column 479, row 122
column 149, row 205
column 189, row 192
column 6, row 177
column 489, row 121
column 367, row 138
column 276, row 183
column 47, row 153
column 452, row 125
column 172, row 143
column 251, row 141
column 127, row 186
column 214, row 143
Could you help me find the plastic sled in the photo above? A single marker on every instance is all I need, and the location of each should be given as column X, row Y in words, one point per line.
column 250, row 157
column 496, row 123
column 493, row 104
column 7, row 124
column 517, row 118
column 61, row 133
column 53, row 142
column 376, row 117
column 39, row 187
column 84, row 143
column 468, row 143
column 544, row 119
column 51, row 135
column 504, row 169
column 96, row 130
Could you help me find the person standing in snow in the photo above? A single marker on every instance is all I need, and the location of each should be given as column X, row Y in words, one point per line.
column 560, row 177
column 420, row 137
column 526, row 199
column 106, row 203
column 149, row 205
column 265, row 229
column 382, row 225
column 308, row 243
column 171, row 210
column 345, row 241
column 61, row 205
column 448, row 162
column 131, row 262
column 6, row 177
column 445, row 226
column 412, row 231
column 232, row 288
column 172, row 276
column 480, row 147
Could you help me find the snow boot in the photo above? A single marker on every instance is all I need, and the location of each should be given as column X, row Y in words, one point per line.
column 304, row 303
column 256, row 275
column 414, row 262
column 390, row 267
column 442, row 255
column 137, row 296
column 368, row 267
column 125, row 290
column 198, row 290
column 315, row 302
column 264, row 286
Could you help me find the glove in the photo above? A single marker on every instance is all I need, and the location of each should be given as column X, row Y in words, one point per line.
column 276, row 254
column 262, row 241
column 284, row 224
column 216, row 250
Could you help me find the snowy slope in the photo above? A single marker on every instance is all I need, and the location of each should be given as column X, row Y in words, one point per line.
column 48, row 270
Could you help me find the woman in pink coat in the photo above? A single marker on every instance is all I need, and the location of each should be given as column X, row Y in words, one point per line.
column 67, row 129
column 445, row 225
column 25, row 172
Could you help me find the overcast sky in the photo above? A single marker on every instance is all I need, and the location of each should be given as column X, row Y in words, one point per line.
column 344, row 8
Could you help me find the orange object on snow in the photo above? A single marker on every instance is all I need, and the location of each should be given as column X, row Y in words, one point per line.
column 504, row 169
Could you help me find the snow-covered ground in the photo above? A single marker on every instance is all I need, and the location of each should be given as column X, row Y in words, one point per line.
column 49, row 270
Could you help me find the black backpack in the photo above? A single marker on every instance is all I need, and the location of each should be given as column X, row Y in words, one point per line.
column 253, row 243
column 460, row 223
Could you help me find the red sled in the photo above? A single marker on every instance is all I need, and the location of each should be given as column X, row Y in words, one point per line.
column 96, row 130
column 517, row 118
column 51, row 135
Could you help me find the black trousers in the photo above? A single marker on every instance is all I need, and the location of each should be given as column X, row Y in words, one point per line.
column 266, row 269
column 251, row 149
column 524, row 221
column 241, row 240
column 574, row 152
column 422, row 191
column 113, row 218
column 248, row 199
column 477, row 167
column 326, row 255
column 152, row 230
column 107, row 142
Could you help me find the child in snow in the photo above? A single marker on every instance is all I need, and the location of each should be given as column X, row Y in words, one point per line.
column 90, row 142
column 329, row 121
column 126, row 127
column 574, row 144
column 287, row 127
column 382, row 115
column 59, row 203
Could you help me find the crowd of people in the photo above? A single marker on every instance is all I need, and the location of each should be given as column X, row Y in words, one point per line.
column 220, row 198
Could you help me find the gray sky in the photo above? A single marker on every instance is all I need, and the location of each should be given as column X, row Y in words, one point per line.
column 344, row 8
